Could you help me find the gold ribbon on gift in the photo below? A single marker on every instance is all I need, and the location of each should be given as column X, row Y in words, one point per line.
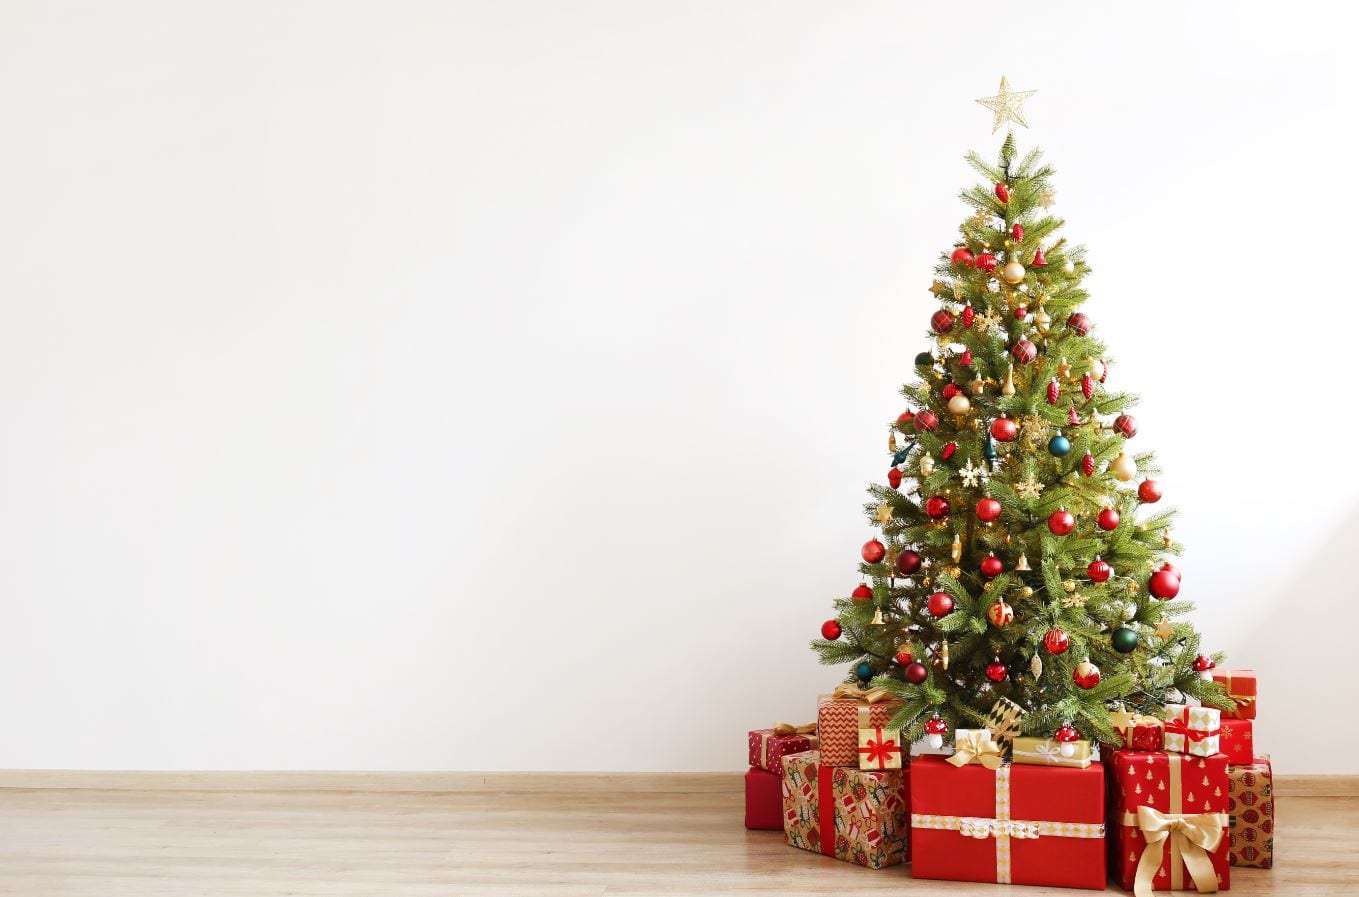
column 1191, row 836
column 977, row 745
column 1003, row 828
column 781, row 730
column 848, row 692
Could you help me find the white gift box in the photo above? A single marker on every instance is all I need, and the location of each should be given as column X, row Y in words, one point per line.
column 1192, row 730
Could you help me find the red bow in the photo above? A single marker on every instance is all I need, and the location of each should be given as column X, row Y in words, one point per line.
column 1179, row 726
column 880, row 750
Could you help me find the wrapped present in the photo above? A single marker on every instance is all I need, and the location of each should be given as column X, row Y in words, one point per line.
column 1139, row 731
column 764, row 800
column 1251, row 786
column 1237, row 740
column 857, row 815
column 976, row 746
column 1004, row 721
column 1241, row 688
column 1031, row 751
column 1170, row 810
column 880, row 748
column 841, row 715
column 1192, row 730
column 769, row 746
column 1027, row 825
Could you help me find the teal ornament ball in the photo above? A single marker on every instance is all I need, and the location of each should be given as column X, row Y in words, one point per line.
column 864, row 671
column 1059, row 445
column 1124, row 640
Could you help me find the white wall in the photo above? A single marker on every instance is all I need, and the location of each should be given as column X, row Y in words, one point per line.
column 494, row 386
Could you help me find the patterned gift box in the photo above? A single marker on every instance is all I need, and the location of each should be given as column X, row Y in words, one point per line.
column 1193, row 730
column 1241, row 687
column 857, row 815
column 768, row 747
column 1030, row 751
column 841, row 715
column 1028, row 825
column 1237, row 740
column 1251, row 786
column 1004, row 722
column 1139, row 731
column 764, row 800
column 1171, row 823
column 880, row 748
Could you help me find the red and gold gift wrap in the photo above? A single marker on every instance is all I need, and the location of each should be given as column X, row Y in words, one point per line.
column 1241, row 688
column 768, row 747
column 1026, row 825
column 764, row 800
column 856, row 815
column 1251, row 786
column 1237, row 740
column 841, row 715
column 1138, row 731
column 1172, row 822
column 880, row 748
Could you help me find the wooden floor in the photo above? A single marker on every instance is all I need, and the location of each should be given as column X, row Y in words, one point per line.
column 584, row 839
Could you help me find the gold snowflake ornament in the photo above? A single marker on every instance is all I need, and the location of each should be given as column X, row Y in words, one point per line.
column 1075, row 599
column 988, row 320
column 971, row 474
column 1029, row 489
column 1006, row 104
column 1047, row 197
column 1035, row 429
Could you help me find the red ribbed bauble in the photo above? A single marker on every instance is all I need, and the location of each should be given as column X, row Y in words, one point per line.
column 916, row 673
column 1088, row 464
column 947, row 451
column 962, row 256
column 1149, row 491
column 1061, row 523
column 937, row 507
column 1087, row 385
column 997, row 671
column 1021, row 312
column 986, row 262
column 1079, row 323
column 873, row 551
column 1086, row 674
column 1054, row 391
column 941, row 321
column 992, row 566
column 950, row 390
column 861, row 592
column 1017, row 232
column 926, row 421
column 1125, row 425
column 940, row 604
column 1056, row 641
column 988, row 509
column 969, row 315
column 908, row 562
column 1024, row 351
column 1107, row 519
column 1163, row 584
column 894, row 478
column 1099, row 571
column 1003, row 429
column 830, row 630
column 904, row 656
column 1003, row 194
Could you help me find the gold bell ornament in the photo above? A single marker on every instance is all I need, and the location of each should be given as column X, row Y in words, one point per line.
column 1124, row 468
column 877, row 617
column 1023, row 563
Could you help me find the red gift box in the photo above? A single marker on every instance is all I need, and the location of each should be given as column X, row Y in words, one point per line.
column 1024, row 825
column 768, row 747
column 1237, row 740
column 1139, row 731
column 841, row 715
column 1242, row 688
column 764, row 800
column 1170, row 812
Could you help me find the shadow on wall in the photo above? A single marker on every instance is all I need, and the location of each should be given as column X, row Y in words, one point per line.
column 1309, row 618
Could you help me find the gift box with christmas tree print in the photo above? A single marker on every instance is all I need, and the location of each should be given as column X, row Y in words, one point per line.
column 857, row 815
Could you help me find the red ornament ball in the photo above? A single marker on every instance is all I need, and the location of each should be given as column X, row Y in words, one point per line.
column 988, row 509
column 1086, row 674
column 1024, row 351
column 861, row 592
column 1125, row 425
column 904, row 419
column 1061, row 523
column 962, row 256
column 940, row 604
column 1056, row 641
column 1000, row 614
column 950, row 391
column 1021, row 313
column 997, row 671
column 916, row 673
column 935, row 726
column 941, row 321
column 1149, row 491
column 1079, row 323
column 992, row 566
column 1163, row 584
column 1107, row 519
column 1173, row 569
column 904, row 656
column 830, row 630
column 969, row 315
column 1099, row 570
column 908, row 562
column 1002, row 193
column 894, row 478
column 937, row 507
column 926, row 421
column 986, row 262
column 873, row 551
column 1203, row 663
column 1003, row 429
column 947, row 451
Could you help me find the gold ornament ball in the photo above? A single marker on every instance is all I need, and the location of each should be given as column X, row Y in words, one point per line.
column 1026, row 592
column 959, row 404
column 1124, row 468
column 1069, row 585
column 1013, row 272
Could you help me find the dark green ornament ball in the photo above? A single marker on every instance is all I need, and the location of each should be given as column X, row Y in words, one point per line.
column 924, row 359
column 864, row 671
column 1124, row 640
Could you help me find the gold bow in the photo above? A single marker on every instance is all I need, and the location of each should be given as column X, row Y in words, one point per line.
column 1192, row 837
column 790, row 729
column 976, row 745
column 850, row 692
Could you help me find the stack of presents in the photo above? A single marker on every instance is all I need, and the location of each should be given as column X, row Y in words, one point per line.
column 1173, row 806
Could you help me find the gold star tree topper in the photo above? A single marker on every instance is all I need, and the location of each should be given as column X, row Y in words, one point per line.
column 1006, row 104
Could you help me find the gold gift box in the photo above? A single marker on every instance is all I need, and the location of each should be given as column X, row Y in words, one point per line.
column 1032, row 751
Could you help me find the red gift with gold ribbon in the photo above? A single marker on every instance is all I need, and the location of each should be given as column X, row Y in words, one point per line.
column 1242, row 688
column 769, row 746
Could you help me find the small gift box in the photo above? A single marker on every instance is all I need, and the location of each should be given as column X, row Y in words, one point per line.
column 1139, row 731
column 1237, row 740
column 1004, row 721
column 841, row 715
column 764, row 800
column 1251, row 786
column 858, row 815
column 768, row 747
column 1192, row 730
column 1169, row 817
column 1241, row 688
column 880, row 748
column 1030, row 751
column 976, row 746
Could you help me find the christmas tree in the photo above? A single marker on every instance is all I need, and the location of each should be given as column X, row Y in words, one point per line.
column 1020, row 554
